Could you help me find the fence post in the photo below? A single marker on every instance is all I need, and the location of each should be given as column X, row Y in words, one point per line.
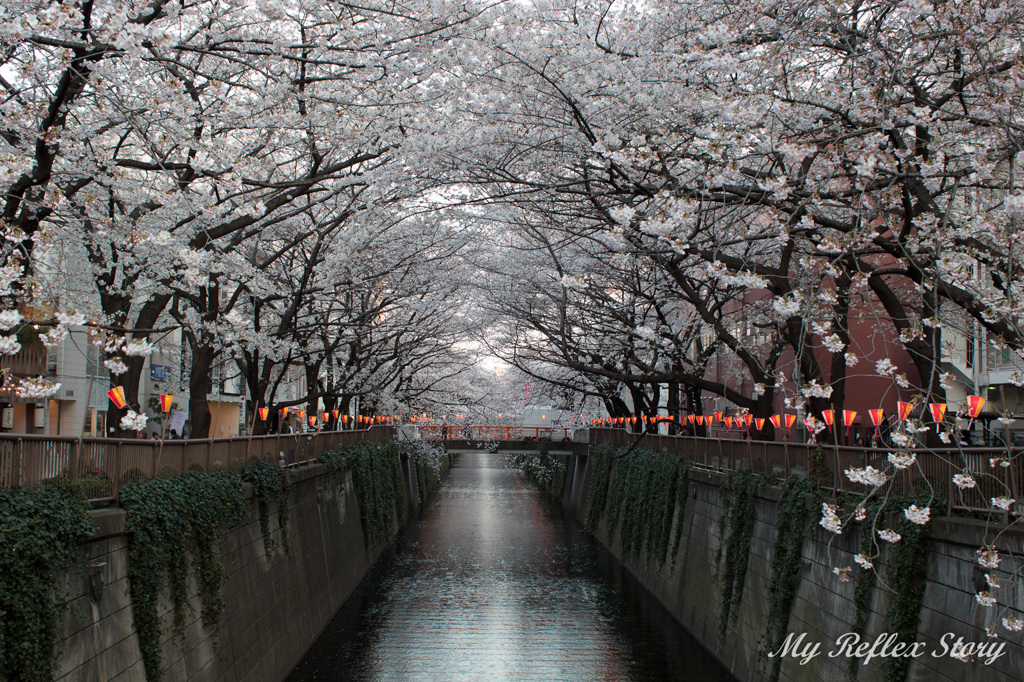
column 20, row 462
column 114, row 467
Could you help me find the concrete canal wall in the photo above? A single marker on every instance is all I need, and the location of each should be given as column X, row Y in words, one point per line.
column 275, row 605
column 690, row 587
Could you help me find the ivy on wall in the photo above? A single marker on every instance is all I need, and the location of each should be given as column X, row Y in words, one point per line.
column 172, row 525
column 270, row 484
column 643, row 493
column 786, row 565
column 737, row 528
column 377, row 476
column 906, row 571
column 428, row 478
column 39, row 534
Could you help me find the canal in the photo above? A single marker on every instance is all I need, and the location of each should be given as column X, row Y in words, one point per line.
column 495, row 583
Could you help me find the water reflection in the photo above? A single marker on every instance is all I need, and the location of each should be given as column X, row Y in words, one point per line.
column 495, row 584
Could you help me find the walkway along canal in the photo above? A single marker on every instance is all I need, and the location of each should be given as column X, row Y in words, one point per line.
column 495, row 583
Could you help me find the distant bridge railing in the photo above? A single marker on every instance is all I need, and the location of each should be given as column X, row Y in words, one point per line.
column 933, row 468
column 493, row 432
column 105, row 464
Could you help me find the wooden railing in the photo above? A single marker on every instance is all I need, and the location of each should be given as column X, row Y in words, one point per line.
column 104, row 464
column 493, row 432
column 29, row 361
column 932, row 470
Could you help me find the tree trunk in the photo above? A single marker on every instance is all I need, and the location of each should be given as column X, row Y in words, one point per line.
column 199, row 384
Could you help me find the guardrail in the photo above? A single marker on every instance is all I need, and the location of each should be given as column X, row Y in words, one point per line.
column 104, row 464
column 493, row 432
column 933, row 468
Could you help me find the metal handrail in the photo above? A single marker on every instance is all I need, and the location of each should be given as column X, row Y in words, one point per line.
column 933, row 468
column 104, row 464
column 499, row 432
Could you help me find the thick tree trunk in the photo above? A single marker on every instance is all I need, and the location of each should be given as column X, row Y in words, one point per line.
column 199, row 384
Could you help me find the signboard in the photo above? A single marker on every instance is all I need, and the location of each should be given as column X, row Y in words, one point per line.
column 177, row 422
column 159, row 372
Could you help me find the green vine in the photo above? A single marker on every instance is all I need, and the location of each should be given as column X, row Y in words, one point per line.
column 270, row 484
column 600, row 480
column 786, row 564
column 906, row 571
column 377, row 476
column 427, row 478
column 737, row 526
column 39, row 533
column 682, row 497
column 645, row 492
column 907, row 568
column 171, row 525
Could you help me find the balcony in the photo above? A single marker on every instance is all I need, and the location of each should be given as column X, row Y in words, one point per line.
column 29, row 361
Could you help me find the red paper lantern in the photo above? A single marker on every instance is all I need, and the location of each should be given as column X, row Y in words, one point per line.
column 938, row 412
column 848, row 417
column 116, row 395
column 718, row 417
column 691, row 418
column 974, row 405
column 312, row 421
column 776, row 420
column 829, row 416
column 335, row 413
column 165, row 401
column 790, row 419
column 904, row 409
column 876, row 418
column 264, row 411
column 284, row 412
column 760, row 423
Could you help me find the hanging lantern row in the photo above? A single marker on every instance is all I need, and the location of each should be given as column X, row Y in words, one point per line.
column 975, row 403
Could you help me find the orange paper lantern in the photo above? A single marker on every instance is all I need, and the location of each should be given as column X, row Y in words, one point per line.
column 284, row 412
column 790, row 419
column 776, row 420
column 312, row 420
column 718, row 416
column 264, row 411
column 335, row 413
column 728, row 422
column 904, row 409
column 760, row 423
column 165, row 401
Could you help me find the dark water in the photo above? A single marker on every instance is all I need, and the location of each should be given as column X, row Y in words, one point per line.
column 493, row 583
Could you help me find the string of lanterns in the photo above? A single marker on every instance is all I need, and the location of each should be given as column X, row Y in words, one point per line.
column 974, row 405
